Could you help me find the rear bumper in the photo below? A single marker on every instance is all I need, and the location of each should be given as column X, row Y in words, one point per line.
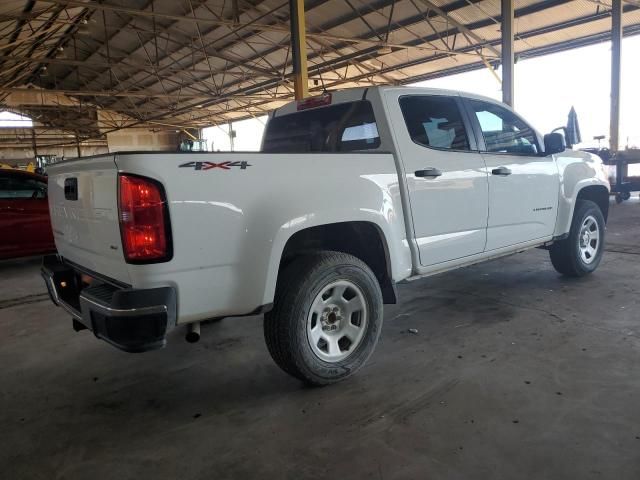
column 133, row 320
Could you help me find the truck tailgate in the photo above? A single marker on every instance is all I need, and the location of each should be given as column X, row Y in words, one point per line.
column 85, row 216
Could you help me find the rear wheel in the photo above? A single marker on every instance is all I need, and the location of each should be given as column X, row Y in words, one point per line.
column 580, row 253
column 326, row 318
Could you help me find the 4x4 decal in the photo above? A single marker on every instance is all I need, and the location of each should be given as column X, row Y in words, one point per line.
column 209, row 165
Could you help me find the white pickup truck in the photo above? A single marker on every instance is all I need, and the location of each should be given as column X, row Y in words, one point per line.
column 353, row 192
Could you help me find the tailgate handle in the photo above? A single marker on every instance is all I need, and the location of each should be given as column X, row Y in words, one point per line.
column 71, row 188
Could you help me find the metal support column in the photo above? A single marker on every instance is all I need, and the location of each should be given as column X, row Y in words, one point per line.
column 508, row 57
column 78, row 145
column 34, row 143
column 299, row 48
column 616, row 50
column 232, row 135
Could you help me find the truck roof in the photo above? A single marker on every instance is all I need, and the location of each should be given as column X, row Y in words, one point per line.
column 357, row 93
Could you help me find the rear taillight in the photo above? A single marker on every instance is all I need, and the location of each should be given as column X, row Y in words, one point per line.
column 144, row 220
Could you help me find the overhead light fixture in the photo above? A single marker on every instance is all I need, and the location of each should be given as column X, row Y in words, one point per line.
column 83, row 27
column 385, row 50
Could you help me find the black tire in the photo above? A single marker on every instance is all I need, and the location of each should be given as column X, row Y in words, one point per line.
column 565, row 254
column 285, row 326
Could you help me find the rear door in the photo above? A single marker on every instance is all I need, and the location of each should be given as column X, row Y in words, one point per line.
column 24, row 214
column 523, row 183
column 38, row 226
column 445, row 174
column 10, row 218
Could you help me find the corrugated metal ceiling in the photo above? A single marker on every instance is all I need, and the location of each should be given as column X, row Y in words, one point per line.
column 197, row 62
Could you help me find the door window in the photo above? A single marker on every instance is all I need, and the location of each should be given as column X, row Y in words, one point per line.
column 18, row 187
column 504, row 131
column 434, row 121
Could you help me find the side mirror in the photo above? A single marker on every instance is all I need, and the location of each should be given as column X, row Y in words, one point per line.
column 554, row 143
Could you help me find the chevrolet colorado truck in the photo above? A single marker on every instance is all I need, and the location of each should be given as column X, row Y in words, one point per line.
column 353, row 192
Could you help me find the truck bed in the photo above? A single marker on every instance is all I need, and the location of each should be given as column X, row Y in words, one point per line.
column 230, row 216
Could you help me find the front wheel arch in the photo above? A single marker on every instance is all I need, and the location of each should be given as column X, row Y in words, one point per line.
column 566, row 254
column 598, row 194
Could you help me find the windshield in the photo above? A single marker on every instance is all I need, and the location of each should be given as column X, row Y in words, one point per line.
column 338, row 128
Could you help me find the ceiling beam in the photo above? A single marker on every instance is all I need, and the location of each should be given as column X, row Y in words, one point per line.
column 131, row 93
column 523, row 35
column 115, row 63
column 367, row 53
column 462, row 28
column 264, row 27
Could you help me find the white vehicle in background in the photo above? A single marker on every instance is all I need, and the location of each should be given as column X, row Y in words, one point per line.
column 353, row 192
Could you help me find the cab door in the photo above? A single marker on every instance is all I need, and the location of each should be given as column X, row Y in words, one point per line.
column 24, row 215
column 523, row 182
column 445, row 175
column 10, row 219
column 37, row 233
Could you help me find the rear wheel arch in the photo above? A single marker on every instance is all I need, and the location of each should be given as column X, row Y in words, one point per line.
column 364, row 240
column 311, row 332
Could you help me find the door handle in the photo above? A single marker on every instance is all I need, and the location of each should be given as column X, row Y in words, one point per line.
column 501, row 171
column 429, row 172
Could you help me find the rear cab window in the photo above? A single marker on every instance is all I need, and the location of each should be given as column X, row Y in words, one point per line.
column 345, row 127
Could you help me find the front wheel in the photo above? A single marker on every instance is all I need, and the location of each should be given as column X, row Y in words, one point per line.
column 580, row 253
column 326, row 319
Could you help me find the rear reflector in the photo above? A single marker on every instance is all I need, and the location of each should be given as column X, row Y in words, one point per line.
column 144, row 220
column 313, row 102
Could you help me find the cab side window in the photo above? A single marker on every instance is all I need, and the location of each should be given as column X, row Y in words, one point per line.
column 503, row 131
column 434, row 121
column 17, row 187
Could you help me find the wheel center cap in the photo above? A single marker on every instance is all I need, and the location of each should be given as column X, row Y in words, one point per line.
column 331, row 318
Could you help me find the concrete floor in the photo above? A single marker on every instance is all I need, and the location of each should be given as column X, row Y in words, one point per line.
column 516, row 373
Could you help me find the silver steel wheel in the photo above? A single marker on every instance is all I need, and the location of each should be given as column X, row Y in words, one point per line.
column 589, row 240
column 337, row 321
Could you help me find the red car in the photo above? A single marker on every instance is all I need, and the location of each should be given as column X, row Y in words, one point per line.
column 25, row 228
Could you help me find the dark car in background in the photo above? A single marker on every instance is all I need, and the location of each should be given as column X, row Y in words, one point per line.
column 25, row 228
